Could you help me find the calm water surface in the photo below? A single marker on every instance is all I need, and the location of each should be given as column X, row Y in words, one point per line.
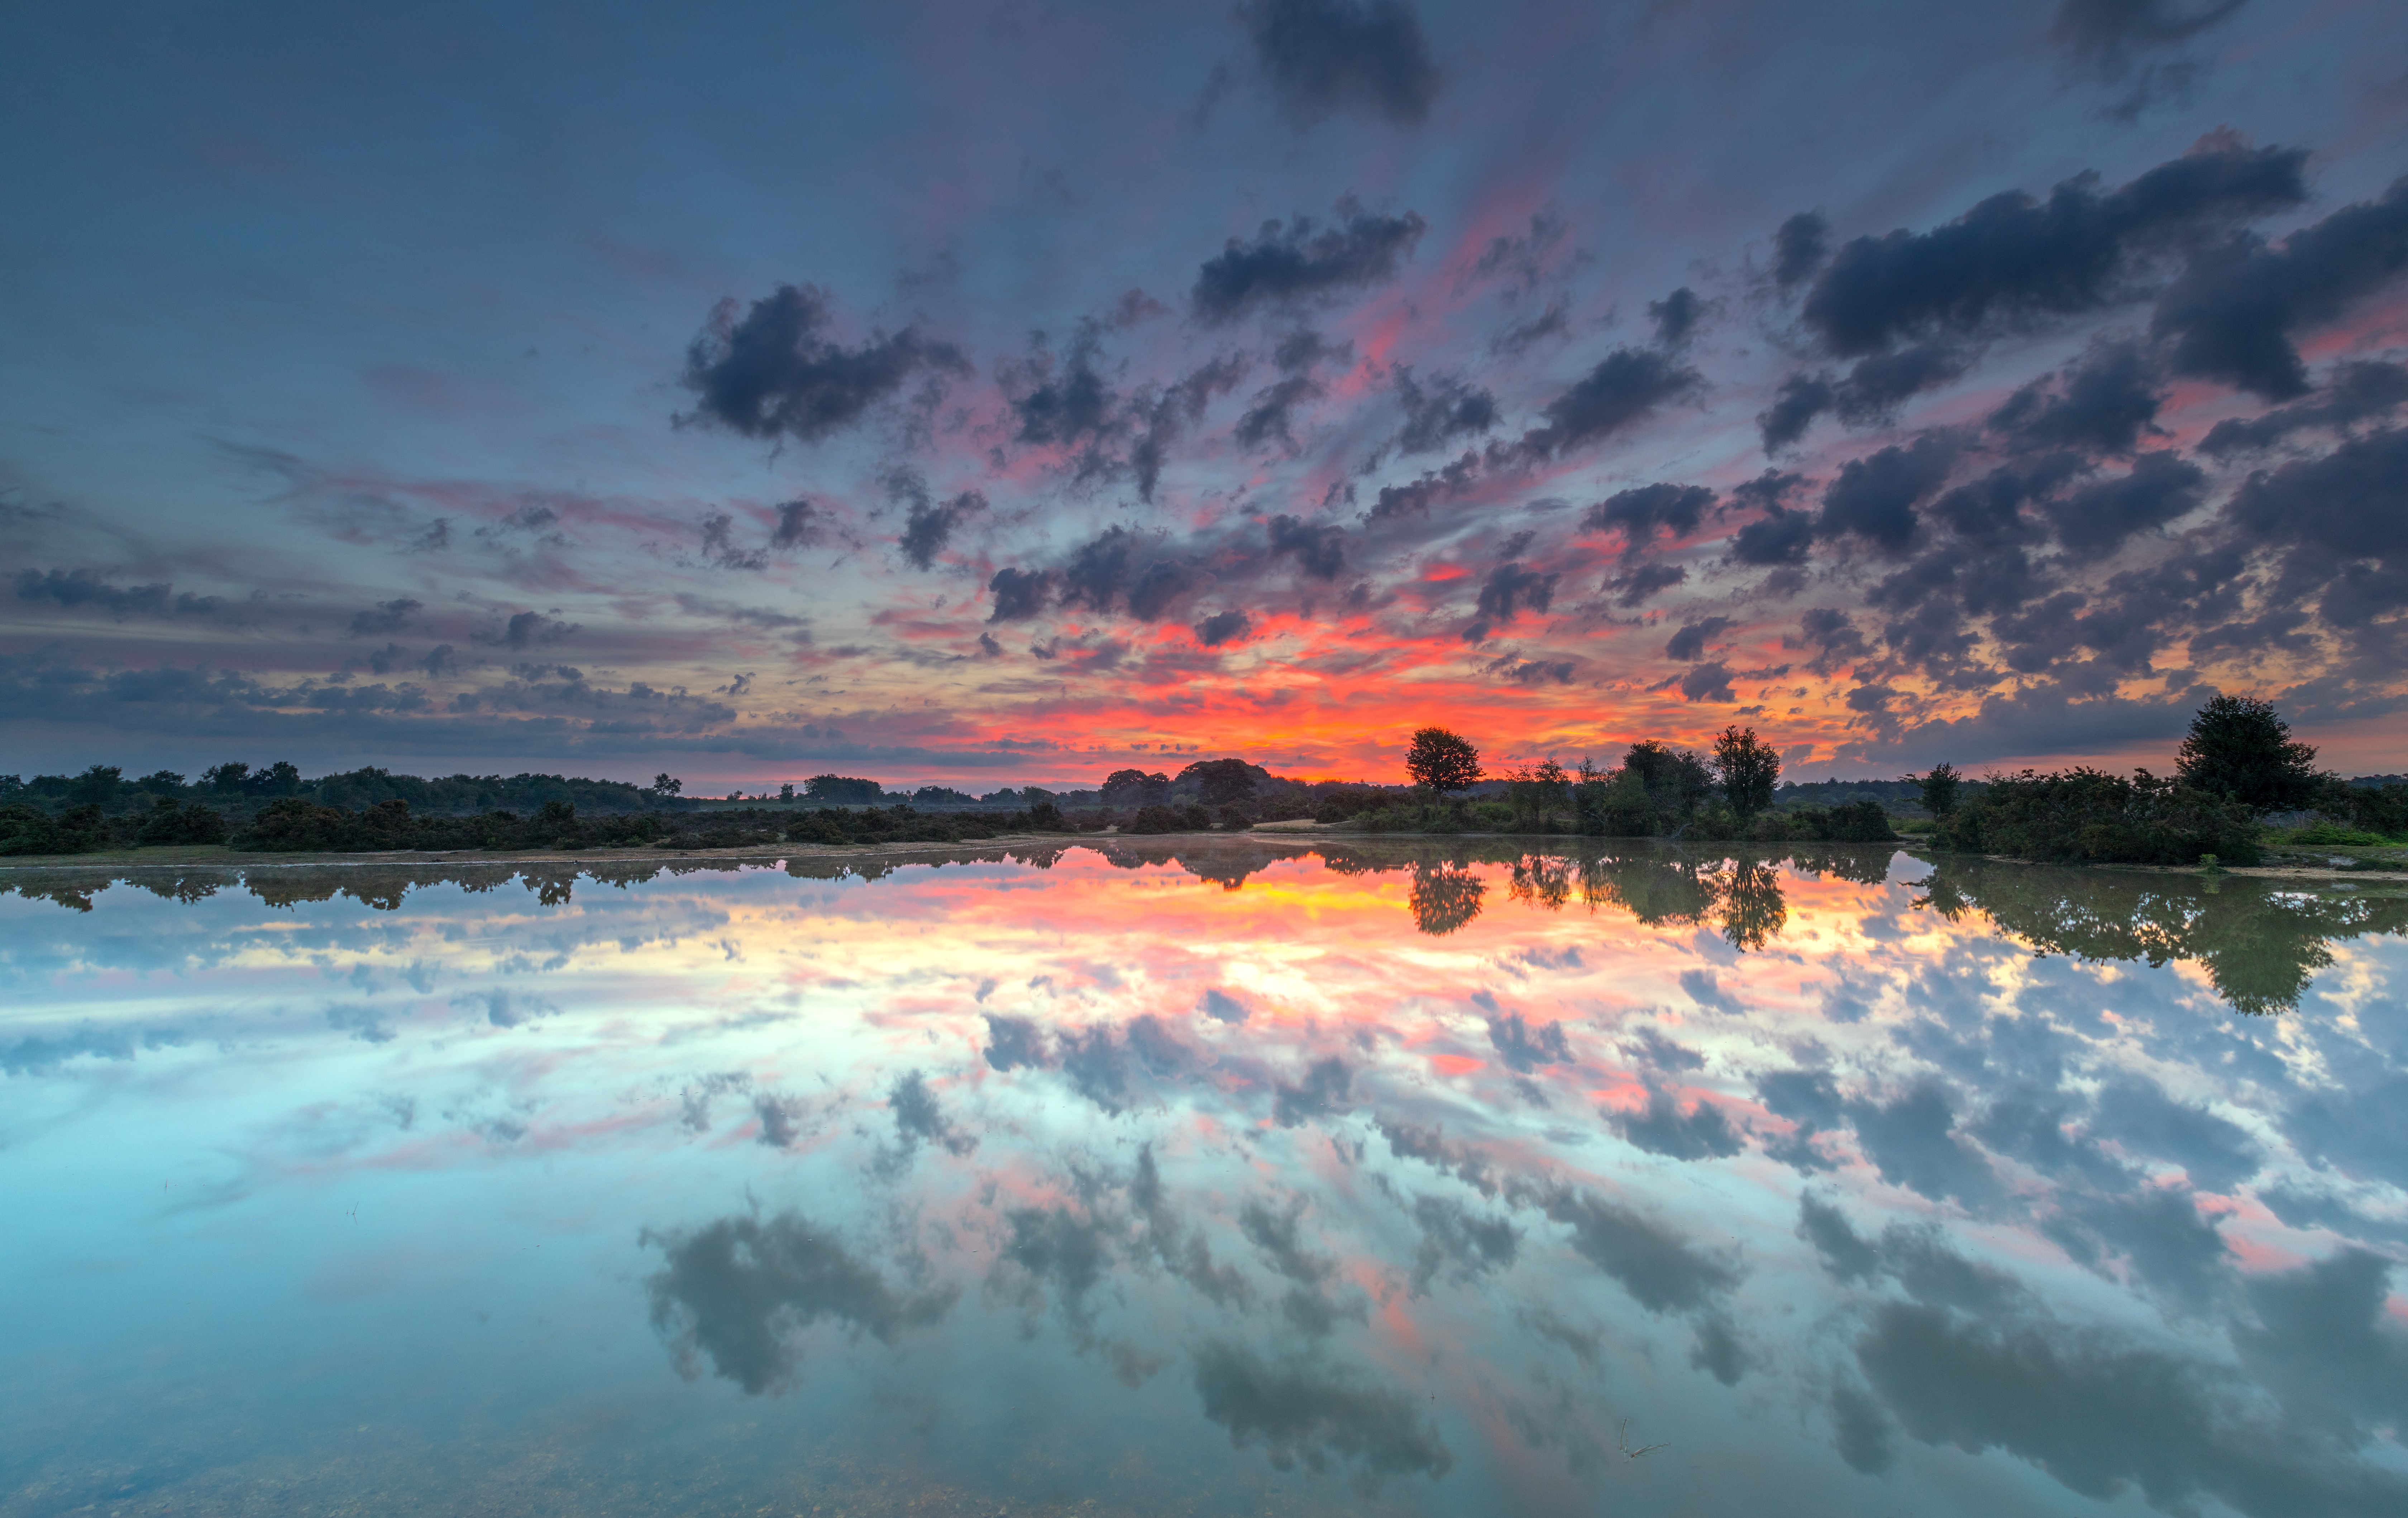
column 1235, row 1178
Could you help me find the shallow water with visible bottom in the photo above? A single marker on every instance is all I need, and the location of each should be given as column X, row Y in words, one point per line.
column 1230, row 1177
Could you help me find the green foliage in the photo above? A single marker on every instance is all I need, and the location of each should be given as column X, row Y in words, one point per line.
column 2238, row 747
column 1860, row 821
column 1442, row 761
column 2091, row 816
column 188, row 824
column 1748, row 769
column 842, row 790
column 1221, row 783
column 2260, row 942
column 1677, row 780
column 1187, row 819
column 1444, row 898
column 2334, row 834
column 1940, row 790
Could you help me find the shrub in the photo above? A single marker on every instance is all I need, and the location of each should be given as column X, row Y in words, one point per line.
column 2090, row 815
column 2335, row 833
column 169, row 824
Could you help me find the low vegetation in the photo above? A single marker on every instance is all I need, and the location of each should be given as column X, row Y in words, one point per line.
column 2237, row 766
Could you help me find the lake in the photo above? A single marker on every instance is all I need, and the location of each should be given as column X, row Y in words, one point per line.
column 1205, row 1178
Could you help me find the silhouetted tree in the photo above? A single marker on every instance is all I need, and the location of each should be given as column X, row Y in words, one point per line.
column 1445, row 896
column 1676, row 779
column 1135, row 788
column 1753, row 908
column 2238, row 747
column 1749, row 769
column 1221, row 781
column 842, row 790
column 664, row 783
column 1940, row 789
column 1444, row 761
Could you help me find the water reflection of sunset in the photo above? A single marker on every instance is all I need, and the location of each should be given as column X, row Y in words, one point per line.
column 1420, row 1166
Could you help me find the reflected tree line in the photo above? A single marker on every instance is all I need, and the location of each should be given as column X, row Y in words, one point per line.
column 2260, row 944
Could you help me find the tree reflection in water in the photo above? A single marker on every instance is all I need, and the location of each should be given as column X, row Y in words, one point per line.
column 2259, row 943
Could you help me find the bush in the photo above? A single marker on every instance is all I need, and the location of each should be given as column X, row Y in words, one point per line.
column 1158, row 819
column 25, row 830
column 2335, row 833
column 192, row 823
column 2090, row 815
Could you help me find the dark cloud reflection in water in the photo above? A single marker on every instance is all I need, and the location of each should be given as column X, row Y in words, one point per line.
column 1419, row 1177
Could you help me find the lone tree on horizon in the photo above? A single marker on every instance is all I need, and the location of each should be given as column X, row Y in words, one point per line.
column 2238, row 747
column 1749, row 769
column 1444, row 761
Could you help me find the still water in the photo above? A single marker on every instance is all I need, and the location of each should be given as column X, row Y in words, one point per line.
column 1240, row 1178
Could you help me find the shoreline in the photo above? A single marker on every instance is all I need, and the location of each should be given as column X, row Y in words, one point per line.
column 165, row 857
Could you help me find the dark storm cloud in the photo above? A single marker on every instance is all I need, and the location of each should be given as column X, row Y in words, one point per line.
column 1802, row 398
column 385, row 618
column 2110, row 40
column 530, row 630
column 1832, row 637
column 1781, row 536
column 800, row 524
column 1177, row 407
column 1533, row 671
column 2217, row 1153
column 1301, row 262
column 2345, row 505
column 1222, row 627
column 1460, row 1243
column 777, row 372
column 1099, row 571
column 1320, row 550
column 719, row 545
column 2015, row 260
column 1326, row 57
column 1324, row 1090
column 1707, row 682
column 1661, row 1270
column 2161, row 1234
column 2097, row 1414
column 1640, row 513
column 1676, row 316
column 1660, row 1127
column 917, row 1116
column 2239, row 308
column 83, row 588
column 2109, row 34
column 741, row 1291
column 1020, row 594
column 2356, row 391
column 1912, row 1142
column 930, row 526
column 1689, row 643
column 1869, row 395
column 1434, row 488
column 1512, row 589
column 2325, row 1340
column 1634, row 586
column 1875, row 497
column 2100, row 516
column 1064, row 402
column 1798, row 249
column 1625, row 387
column 1525, row 1048
column 1268, row 418
column 2104, row 405
column 1014, row 1042
column 1313, row 1413
column 1450, row 410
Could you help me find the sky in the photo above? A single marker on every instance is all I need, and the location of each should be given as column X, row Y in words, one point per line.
column 1013, row 394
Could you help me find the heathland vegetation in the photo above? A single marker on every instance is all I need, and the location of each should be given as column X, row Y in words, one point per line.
column 2237, row 775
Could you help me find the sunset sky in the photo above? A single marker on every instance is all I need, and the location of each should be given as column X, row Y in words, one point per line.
column 1003, row 393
